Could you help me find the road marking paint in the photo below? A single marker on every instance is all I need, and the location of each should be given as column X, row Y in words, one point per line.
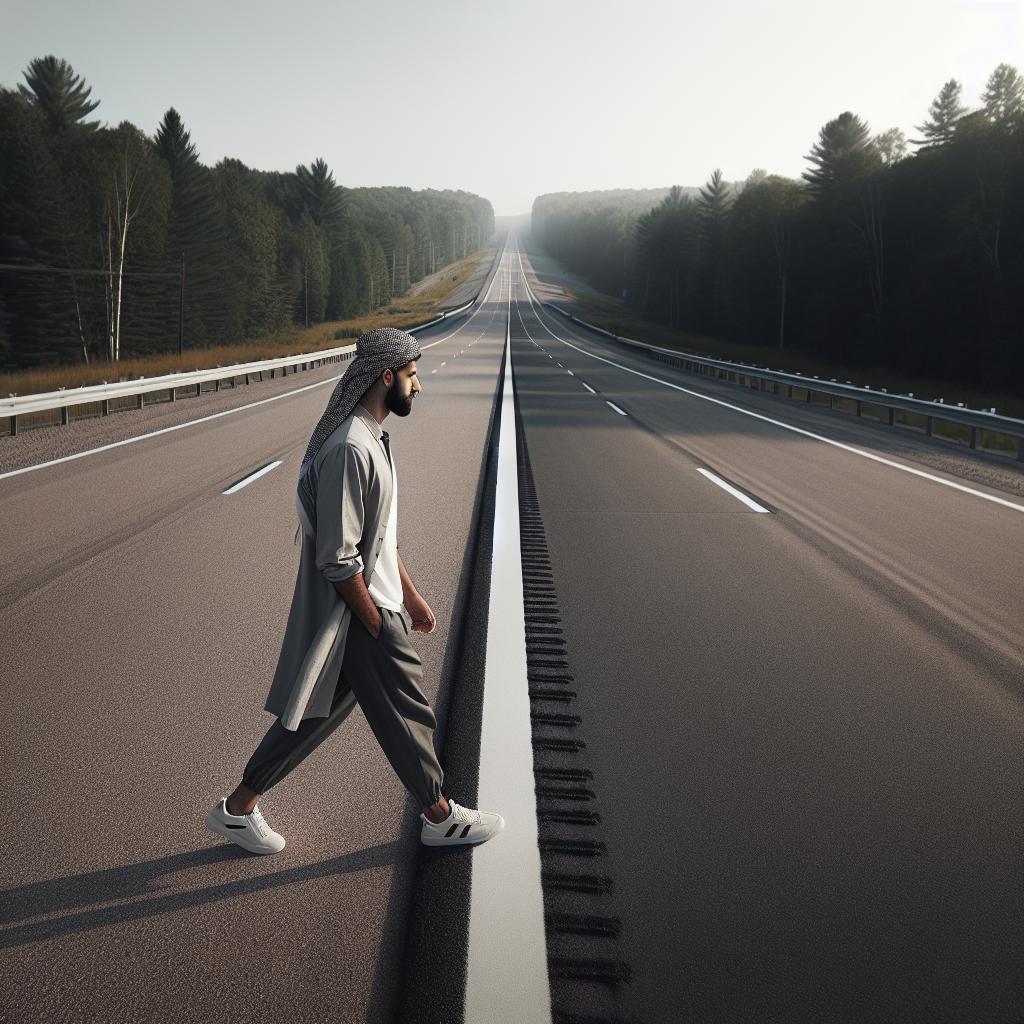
column 778, row 423
column 571, row 374
column 616, row 408
column 506, row 968
column 246, row 480
column 434, row 370
column 733, row 491
column 588, row 387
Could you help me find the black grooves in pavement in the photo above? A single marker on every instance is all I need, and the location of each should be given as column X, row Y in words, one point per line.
column 432, row 984
column 586, row 965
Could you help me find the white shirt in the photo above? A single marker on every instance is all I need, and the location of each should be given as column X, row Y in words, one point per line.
column 385, row 585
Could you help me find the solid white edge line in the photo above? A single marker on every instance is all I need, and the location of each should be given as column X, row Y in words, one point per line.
column 224, row 412
column 507, row 969
column 588, row 387
column 616, row 408
column 252, row 476
column 778, row 423
column 750, row 503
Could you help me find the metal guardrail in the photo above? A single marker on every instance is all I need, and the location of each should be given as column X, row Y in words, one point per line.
column 966, row 427
column 104, row 394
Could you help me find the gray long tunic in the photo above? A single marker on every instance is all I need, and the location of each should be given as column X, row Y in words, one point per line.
column 353, row 483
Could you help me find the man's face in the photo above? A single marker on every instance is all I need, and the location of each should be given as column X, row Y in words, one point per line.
column 404, row 388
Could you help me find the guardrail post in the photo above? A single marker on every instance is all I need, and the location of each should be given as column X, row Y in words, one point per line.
column 64, row 415
column 272, row 373
column 141, row 401
column 105, row 407
column 929, row 426
column 857, row 404
column 172, row 395
column 974, row 437
column 216, row 385
column 14, row 426
column 891, row 416
column 1020, row 449
column 199, row 388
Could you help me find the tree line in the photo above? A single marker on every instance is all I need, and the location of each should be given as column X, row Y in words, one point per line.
column 112, row 241
column 875, row 258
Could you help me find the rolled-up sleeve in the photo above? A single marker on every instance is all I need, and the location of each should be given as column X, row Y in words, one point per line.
column 340, row 511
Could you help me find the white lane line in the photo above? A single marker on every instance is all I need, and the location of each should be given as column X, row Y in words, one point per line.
column 750, row 503
column 571, row 374
column 778, row 423
column 246, row 480
column 445, row 363
column 588, row 387
column 561, row 366
column 616, row 408
column 506, row 969
column 212, row 416
column 434, row 370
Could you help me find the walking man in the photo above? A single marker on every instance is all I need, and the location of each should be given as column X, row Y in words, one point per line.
column 346, row 640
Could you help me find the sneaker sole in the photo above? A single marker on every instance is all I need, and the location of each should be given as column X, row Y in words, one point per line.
column 456, row 841
column 220, row 830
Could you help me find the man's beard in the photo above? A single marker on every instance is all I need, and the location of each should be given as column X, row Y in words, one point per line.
column 395, row 402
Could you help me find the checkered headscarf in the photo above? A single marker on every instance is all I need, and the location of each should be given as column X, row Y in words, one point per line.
column 376, row 351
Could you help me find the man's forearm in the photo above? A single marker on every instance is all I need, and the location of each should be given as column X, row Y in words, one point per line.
column 408, row 590
column 357, row 597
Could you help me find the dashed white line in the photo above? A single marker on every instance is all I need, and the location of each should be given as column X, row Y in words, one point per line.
column 246, row 480
column 616, row 408
column 749, row 502
column 778, row 423
column 588, row 387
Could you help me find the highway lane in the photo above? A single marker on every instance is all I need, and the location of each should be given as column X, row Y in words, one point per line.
column 805, row 726
column 143, row 612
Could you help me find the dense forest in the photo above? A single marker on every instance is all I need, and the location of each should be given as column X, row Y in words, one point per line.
column 100, row 227
column 876, row 257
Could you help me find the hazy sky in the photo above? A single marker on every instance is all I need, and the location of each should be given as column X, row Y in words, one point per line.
column 513, row 100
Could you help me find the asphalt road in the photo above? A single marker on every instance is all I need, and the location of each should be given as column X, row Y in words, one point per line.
column 804, row 725
column 142, row 617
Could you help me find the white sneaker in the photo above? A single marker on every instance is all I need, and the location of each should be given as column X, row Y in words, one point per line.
column 250, row 831
column 463, row 825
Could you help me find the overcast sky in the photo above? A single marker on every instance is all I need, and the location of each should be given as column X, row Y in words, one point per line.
column 513, row 100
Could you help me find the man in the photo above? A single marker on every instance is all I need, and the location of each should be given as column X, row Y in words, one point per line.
column 346, row 638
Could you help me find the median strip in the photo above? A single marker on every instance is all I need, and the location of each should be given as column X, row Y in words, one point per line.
column 507, row 969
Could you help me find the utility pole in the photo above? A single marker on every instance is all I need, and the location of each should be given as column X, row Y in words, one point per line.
column 181, row 308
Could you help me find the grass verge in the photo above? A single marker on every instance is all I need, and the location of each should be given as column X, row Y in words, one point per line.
column 403, row 312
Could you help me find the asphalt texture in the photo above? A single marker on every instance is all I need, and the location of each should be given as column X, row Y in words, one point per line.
column 804, row 726
column 799, row 732
column 142, row 618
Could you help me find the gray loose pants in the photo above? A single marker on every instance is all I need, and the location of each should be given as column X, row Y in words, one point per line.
column 384, row 675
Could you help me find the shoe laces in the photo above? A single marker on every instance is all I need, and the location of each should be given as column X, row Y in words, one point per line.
column 260, row 823
column 467, row 815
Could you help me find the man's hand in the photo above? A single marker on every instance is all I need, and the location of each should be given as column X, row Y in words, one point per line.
column 423, row 620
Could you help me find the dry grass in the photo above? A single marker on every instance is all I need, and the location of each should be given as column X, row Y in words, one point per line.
column 402, row 312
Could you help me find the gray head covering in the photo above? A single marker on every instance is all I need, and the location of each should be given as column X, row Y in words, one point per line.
column 376, row 351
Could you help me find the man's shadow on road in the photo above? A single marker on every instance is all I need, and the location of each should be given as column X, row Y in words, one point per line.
column 136, row 882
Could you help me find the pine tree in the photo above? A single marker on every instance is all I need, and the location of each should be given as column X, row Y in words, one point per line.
column 60, row 93
column 944, row 113
column 1003, row 98
column 843, row 137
